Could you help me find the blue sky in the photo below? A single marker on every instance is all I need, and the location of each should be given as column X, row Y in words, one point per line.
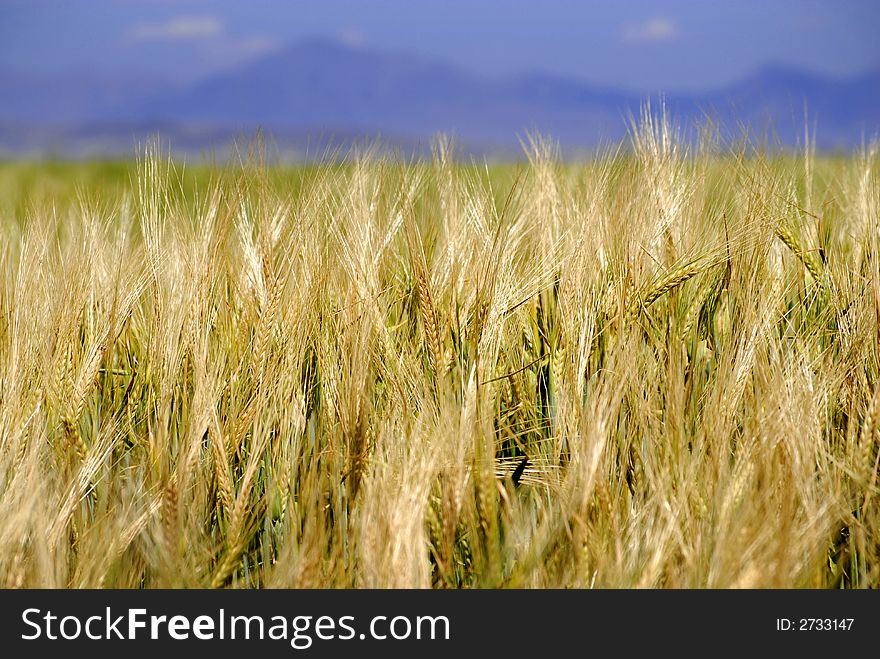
column 636, row 45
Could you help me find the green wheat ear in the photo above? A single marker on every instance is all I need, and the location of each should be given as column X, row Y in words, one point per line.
column 665, row 283
column 807, row 258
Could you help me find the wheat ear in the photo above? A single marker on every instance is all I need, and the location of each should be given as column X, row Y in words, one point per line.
column 429, row 321
column 665, row 283
column 805, row 257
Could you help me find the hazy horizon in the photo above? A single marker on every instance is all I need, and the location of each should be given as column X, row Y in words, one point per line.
column 94, row 78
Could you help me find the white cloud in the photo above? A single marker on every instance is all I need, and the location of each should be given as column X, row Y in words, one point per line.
column 247, row 47
column 654, row 30
column 352, row 37
column 182, row 28
column 210, row 46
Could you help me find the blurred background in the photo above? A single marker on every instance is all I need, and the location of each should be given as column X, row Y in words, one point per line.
column 96, row 78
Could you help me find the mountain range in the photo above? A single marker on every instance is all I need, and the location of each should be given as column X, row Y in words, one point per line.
column 317, row 95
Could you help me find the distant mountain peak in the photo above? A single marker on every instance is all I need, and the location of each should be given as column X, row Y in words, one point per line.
column 320, row 85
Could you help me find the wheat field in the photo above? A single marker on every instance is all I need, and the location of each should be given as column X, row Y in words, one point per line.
column 655, row 369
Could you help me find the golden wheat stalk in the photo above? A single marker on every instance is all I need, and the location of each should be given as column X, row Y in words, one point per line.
column 430, row 325
column 693, row 312
column 265, row 327
column 221, row 466
column 665, row 283
column 171, row 516
column 84, row 383
column 235, row 546
column 559, row 366
column 806, row 258
column 434, row 527
column 866, row 462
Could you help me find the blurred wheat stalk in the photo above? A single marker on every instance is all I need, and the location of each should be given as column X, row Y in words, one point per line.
column 657, row 369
